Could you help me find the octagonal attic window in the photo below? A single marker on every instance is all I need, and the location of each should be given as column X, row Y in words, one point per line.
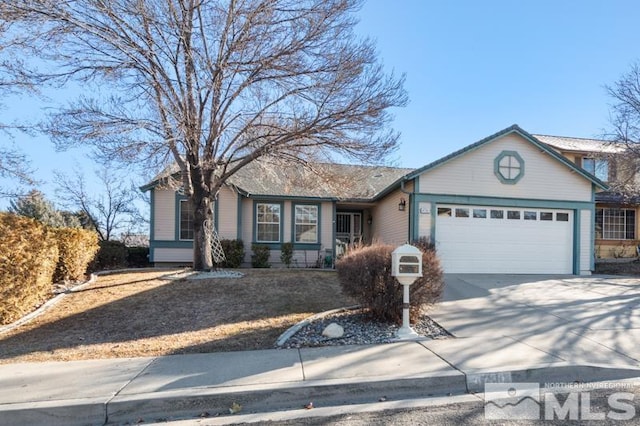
column 509, row 167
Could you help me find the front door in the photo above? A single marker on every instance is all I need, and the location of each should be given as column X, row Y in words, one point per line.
column 349, row 227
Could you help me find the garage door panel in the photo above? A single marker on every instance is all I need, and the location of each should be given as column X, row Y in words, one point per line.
column 486, row 245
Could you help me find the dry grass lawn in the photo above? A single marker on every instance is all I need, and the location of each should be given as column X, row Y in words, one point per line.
column 144, row 314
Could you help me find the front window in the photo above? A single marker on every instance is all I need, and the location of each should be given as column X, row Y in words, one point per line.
column 267, row 223
column 615, row 224
column 306, row 224
column 186, row 220
column 597, row 167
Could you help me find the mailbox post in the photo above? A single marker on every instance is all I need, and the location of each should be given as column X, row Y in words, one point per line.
column 406, row 266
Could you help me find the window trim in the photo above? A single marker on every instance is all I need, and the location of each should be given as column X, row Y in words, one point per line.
column 280, row 222
column 497, row 168
column 294, row 223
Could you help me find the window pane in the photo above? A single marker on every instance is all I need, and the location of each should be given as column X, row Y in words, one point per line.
column 513, row 214
column 546, row 216
column 186, row 220
column 589, row 164
column 480, row 213
column 597, row 167
column 630, row 218
column 268, row 223
column 562, row 217
column 306, row 224
column 444, row 211
column 530, row 215
column 462, row 212
column 599, row 223
column 497, row 214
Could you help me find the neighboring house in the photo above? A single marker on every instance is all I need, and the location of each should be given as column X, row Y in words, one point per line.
column 617, row 215
column 506, row 204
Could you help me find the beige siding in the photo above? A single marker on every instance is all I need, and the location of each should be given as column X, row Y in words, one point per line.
column 425, row 216
column 247, row 227
column 326, row 228
column 164, row 221
column 586, row 230
column 172, row 255
column 473, row 174
column 288, row 218
column 390, row 225
column 227, row 214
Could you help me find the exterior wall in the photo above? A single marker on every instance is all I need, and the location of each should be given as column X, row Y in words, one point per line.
column 473, row 173
column 586, row 242
column 303, row 255
column 164, row 210
column 424, row 219
column 227, row 214
column 173, row 255
column 391, row 225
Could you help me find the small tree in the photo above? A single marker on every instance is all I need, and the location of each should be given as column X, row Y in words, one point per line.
column 106, row 212
column 36, row 206
column 286, row 254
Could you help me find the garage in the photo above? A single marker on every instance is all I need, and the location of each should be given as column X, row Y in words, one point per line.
column 516, row 240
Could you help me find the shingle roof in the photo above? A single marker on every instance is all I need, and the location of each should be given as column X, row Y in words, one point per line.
column 564, row 143
column 608, row 197
column 325, row 180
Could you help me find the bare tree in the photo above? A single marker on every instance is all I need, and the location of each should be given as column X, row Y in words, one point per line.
column 107, row 212
column 14, row 164
column 213, row 85
column 625, row 133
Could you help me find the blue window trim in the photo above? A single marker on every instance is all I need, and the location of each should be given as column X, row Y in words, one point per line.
column 303, row 245
column 498, row 173
column 274, row 245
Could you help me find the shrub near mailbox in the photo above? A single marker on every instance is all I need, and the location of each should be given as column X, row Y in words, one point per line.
column 406, row 264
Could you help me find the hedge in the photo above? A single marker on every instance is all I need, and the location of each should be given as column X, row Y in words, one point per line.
column 77, row 248
column 28, row 255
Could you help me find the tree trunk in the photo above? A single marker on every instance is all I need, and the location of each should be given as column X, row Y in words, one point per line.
column 202, row 215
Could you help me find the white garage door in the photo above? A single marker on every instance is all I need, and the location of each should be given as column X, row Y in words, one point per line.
column 473, row 239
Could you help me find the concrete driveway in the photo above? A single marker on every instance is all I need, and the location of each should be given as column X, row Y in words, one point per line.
column 586, row 320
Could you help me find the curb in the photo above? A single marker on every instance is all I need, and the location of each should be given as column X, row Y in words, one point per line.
column 296, row 327
column 272, row 399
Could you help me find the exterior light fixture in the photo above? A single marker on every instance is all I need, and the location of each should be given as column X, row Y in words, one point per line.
column 369, row 220
column 402, row 205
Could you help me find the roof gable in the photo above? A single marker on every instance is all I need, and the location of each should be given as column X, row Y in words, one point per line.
column 514, row 129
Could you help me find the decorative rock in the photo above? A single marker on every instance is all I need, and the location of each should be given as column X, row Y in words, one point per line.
column 333, row 331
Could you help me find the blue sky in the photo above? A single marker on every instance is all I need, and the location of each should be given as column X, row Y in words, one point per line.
column 473, row 68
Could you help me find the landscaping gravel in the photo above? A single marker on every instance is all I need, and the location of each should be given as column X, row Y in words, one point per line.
column 359, row 329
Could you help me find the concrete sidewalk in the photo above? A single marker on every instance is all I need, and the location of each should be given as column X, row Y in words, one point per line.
column 121, row 391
